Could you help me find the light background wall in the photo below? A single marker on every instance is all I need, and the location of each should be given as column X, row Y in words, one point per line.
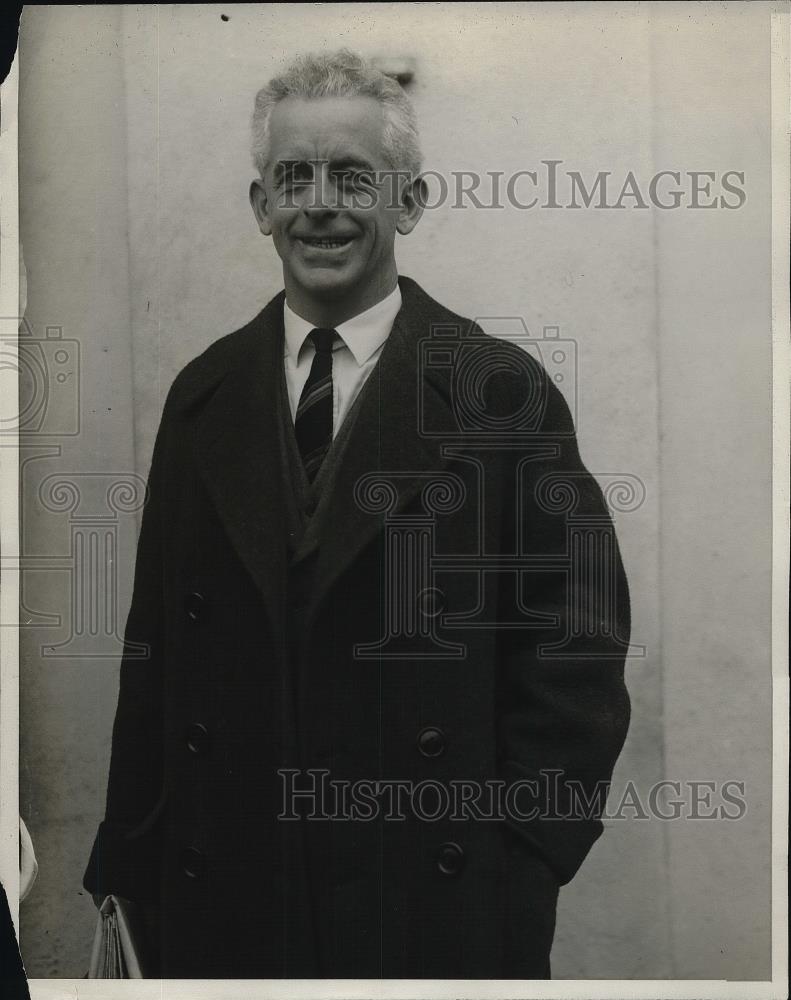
column 139, row 242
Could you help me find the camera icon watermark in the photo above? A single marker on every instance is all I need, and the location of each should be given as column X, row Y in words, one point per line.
column 48, row 370
column 473, row 359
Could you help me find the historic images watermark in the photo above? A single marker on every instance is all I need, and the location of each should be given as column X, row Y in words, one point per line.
column 554, row 186
column 313, row 794
column 551, row 184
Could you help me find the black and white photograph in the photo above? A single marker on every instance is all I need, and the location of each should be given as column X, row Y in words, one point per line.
column 394, row 499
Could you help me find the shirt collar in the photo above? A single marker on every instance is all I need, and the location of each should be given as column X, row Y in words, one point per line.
column 363, row 334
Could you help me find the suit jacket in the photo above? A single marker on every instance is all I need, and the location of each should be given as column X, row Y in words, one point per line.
column 466, row 624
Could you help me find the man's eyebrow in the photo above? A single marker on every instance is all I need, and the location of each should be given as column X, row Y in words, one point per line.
column 351, row 162
column 345, row 164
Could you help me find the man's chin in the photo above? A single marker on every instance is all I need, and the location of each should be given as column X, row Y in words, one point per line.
column 327, row 282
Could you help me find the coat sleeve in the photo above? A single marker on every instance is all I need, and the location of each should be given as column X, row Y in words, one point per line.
column 125, row 855
column 563, row 706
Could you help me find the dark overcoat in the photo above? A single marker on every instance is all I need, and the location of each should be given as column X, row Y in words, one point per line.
column 465, row 627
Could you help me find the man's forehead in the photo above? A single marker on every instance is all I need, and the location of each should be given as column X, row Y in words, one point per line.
column 325, row 127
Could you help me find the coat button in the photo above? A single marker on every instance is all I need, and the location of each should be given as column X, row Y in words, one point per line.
column 197, row 738
column 450, row 859
column 193, row 863
column 431, row 742
column 194, row 606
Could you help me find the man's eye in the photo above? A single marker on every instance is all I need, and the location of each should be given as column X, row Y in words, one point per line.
column 354, row 180
column 365, row 179
column 296, row 174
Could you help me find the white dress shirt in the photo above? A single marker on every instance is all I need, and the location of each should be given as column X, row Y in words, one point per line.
column 354, row 355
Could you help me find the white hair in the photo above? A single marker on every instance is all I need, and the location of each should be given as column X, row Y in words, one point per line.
column 341, row 74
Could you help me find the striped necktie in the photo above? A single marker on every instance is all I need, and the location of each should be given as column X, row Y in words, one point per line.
column 313, row 419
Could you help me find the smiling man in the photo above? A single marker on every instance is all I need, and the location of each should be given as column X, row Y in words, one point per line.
column 372, row 688
column 318, row 198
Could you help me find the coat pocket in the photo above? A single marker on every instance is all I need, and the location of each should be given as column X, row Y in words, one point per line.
column 125, row 860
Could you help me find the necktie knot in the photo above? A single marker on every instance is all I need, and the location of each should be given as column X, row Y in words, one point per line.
column 323, row 339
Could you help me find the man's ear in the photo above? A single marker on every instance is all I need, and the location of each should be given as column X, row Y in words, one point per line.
column 414, row 196
column 260, row 205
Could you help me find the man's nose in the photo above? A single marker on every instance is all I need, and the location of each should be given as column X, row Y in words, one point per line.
column 323, row 197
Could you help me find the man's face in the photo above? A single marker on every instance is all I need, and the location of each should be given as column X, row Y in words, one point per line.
column 332, row 223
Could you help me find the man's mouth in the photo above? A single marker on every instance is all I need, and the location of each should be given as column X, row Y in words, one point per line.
column 326, row 242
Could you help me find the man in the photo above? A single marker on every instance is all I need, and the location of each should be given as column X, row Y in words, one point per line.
column 355, row 580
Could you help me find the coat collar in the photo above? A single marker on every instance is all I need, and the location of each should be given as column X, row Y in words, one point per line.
column 364, row 334
column 237, row 438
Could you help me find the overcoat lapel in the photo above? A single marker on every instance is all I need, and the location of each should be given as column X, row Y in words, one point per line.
column 238, row 441
column 387, row 446
column 238, row 445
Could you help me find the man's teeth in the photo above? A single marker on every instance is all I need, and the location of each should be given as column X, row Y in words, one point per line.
column 329, row 244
